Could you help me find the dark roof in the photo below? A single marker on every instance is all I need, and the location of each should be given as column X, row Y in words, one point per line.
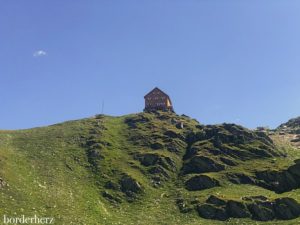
column 156, row 89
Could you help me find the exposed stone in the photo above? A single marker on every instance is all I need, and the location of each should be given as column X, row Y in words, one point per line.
column 240, row 178
column 150, row 159
column 295, row 170
column 111, row 198
column 133, row 121
column 159, row 170
column 262, row 211
column 287, row 208
column 130, row 186
column 216, row 201
column 278, row 181
column 200, row 182
column 209, row 211
column 255, row 207
column 183, row 206
column 237, row 209
column 202, row 164
column 95, row 153
column 112, row 185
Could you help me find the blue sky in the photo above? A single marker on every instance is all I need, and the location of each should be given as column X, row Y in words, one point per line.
column 220, row 61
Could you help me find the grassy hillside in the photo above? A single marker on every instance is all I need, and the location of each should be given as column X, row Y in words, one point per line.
column 148, row 168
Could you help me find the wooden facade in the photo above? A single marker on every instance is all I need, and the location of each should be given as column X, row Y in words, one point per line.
column 158, row 100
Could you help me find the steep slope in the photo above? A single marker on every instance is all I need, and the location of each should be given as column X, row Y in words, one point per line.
column 292, row 126
column 290, row 132
column 148, row 168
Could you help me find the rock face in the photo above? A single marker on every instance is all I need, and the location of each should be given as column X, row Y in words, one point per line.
column 202, row 164
column 151, row 159
column 237, row 209
column 256, row 208
column 213, row 148
column 292, row 126
column 199, row 157
column 209, row 211
column 200, row 182
column 130, row 186
column 295, row 169
column 280, row 181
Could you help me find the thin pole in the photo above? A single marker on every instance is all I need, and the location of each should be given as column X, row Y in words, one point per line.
column 102, row 109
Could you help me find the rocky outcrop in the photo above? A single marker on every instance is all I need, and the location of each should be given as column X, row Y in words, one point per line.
column 111, row 198
column 280, row 181
column 237, row 209
column 256, row 208
column 130, row 186
column 240, row 178
column 200, row 182
column 209, row 211
column 212, row 148
column 201, row 164
column 151, row 159
column 133, row 121
column 292, row 126
column 183, row 206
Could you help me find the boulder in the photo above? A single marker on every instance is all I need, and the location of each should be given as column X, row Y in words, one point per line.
column 112, row 185
column 240, row 178
column 278, row 181
column 151, row 159
column 255, row 207
column 202, row 164
column 216, row 201
column 183, row 206
column 200, row 182
column 148, row 159
column 286, row 208
column 295, row 170
column 129, row 185
column 261, row 212
column 237, row 209
column 209, row 211
column 157, row 169
column 175, row 145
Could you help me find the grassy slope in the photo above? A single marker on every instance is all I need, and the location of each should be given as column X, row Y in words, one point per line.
column 49, row 174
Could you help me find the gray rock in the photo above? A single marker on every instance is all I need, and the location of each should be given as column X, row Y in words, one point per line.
column 286, row 208
column 209, row 211
column 202, row 164
column 200, row 182
column 237, row 209
column 130, row 186
column 216, row 201
column 261, row 212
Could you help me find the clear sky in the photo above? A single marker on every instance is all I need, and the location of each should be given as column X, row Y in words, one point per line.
column 220, row 61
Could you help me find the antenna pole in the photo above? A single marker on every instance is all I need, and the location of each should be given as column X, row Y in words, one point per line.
column 102, row 109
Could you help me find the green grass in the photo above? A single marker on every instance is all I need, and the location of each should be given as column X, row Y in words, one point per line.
column 49, row 173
